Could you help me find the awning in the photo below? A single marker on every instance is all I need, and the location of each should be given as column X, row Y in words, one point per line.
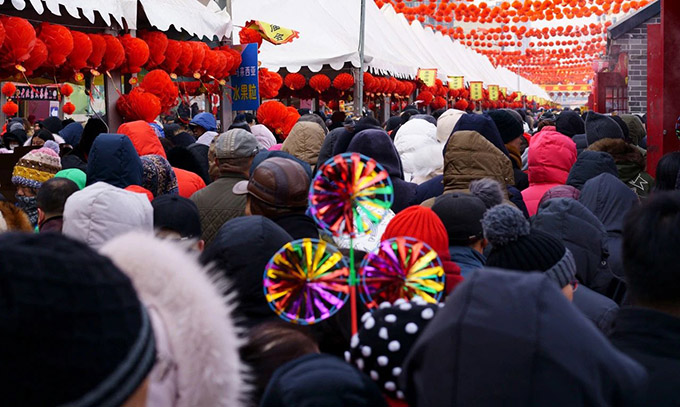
column 187, row 15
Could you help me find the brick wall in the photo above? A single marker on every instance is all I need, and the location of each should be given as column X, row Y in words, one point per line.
column 634, row 43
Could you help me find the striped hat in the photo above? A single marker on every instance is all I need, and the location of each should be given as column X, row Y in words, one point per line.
column 37, row 166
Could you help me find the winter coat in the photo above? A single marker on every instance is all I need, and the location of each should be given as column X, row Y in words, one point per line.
column 376, row 144
column 197, row 345
column 610, row 200
column 589, row 165
column 113, row 160
column 521, row 178
column 143, row 137
column 651, row 338
column 631, row 163
column 550, row 160
column 581, row 142
column 468, row 259
column 54, row 225
column 93, row 128
column 304, row 142
column 217, row 204
column 512, row 339
column 188, row 182
column 419, row 150
column 446, row 122
column 328, row 145
column 72, row 133
column 319, row 380
column 73, row 161
column 241, row 250
column 200, row 152
column 298, row 226
column 585, row 236
column 599, row 309
column 100, row 212
column 485, row 126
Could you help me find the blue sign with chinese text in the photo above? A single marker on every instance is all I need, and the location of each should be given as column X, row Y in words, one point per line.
column 246, row 92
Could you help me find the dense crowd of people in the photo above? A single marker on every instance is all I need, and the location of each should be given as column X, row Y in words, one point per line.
column 131, row 269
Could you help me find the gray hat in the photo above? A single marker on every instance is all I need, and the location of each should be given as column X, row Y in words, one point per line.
column 599, row 126
column 236, row 143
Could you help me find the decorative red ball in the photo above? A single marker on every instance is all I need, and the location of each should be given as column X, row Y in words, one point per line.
column 19, row 41
column 66, row 89
column 68, row 108
column 320, row 82
column 136, row 53
column 295, row 81
column 343, row 82
column 10, row 109
column 59, row 43
column 8, row 89
column 248, row 36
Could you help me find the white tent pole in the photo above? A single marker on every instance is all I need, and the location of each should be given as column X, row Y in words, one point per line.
column 360, row 80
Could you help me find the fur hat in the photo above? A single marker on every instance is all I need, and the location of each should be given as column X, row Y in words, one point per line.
column 13, row 219
column 37, row 166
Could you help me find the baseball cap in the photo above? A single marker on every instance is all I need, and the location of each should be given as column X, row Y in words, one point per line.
column 236, row 143
column 178, row 214
column 279, row 182
column 461, row 215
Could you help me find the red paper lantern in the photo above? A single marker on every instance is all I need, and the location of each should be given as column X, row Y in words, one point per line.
column 172, row 55
column 98, row 50
column 369, row 83
column 249, row 36
column 270, row 83
column 209, row 62
column 158, row 83
column 320, row 82
column 139, row 105
column 438, row 103
column 235, row 59
column 68, row 108
column 426, row 97
column 198, row 55
column 136, row 54
column 185, row 59
column 2, row 34
column 273, row 114
column 290, row 121
column 66, row 90
column 8, row 89
column 37, row 58
column 333, row 104
column 343, row 82
column 19, row 41
column 59, row 43
column 158, row 45
column 295, row 81
column 114, row 55
column 10, row 109
column 220, row 64
column 82, row 49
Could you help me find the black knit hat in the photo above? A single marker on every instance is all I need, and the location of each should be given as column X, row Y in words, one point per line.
column 516, row 247
column 570, row 123
column 599, row 126
column 177, row 214
column 384, row 339
column 72, row 330
column 623, row 126
column 461, row 215
column 508, row 124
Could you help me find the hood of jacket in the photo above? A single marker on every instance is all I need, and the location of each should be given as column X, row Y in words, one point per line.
column 636, row 130
column 516, row 330
column 188, row 182
column 72, row 133
column 630, row 161
column 485, row 126
column 304, row 142
column 583, row 234
column 609, row 199
column 241, row 250
column 265, row 138
column 113, row 160
column 143, row 137
column 419, row 150
column 100, row 212
column 321, row 380
column 376, row 144
column 570, row 123
column 205, row 120
column 93, row 128
column 590, row 164
column 202, row 341
column 446, row 122
column 469, row 156
column 551, row 157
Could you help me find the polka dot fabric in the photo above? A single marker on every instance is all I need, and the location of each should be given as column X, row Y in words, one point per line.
column 385, row 338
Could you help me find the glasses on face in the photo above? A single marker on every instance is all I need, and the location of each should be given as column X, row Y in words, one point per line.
column 574, row 285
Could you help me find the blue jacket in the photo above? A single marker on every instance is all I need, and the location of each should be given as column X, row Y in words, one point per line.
column 467, row 259
column 114, row 160
column 590, row 164
column 205, row 120
column 72, row 134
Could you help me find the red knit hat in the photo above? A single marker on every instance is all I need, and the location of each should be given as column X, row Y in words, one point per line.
column 423, row 224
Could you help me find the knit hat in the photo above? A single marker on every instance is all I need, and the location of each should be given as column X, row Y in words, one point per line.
column 508, row 125
column 279, row 182
column 178, row 214
column 488, row 190
column 384, row 339
column 73, row 330
column 516, row 247
column 624, row 127
column 75, row 175
column 158, row 176
column 420, row 223
column 53, row 124
column 461, row 215
column 560, row 191
column 570, row 123
column 37, row 166
column 599, row 126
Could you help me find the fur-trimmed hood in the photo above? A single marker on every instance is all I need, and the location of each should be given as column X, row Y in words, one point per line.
column 622, row 152
column 13, row 219
column 198, row 362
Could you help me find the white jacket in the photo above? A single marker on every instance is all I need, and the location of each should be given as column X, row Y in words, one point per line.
column 422, row 156
column 197, row 343
column 100, row 212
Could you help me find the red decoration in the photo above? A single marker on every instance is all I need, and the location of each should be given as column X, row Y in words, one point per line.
column 369, row 83
column 270, row 83
column 198, row 55
column 290, row 121
column 19, row 41
column 273, row 114
column 66, row 90
column 343, row 82
column 438, row 103
column 158, row 45
column 37, row 58
column 426, row 97
column 59, row 43
column 185, row 59
column 320, row 82
column 295, row 81
column 98, row 50
column 237, row 59
column 248, row 36
column 158, row 82
column 139, row 105
column 114, row 55
column 8, row 89
column 68, row 108
column 220, row 64
column 136, row 54
column 10, row 109
column 333, row 105
column 461, row 105
column 2, row 34
column 82, row 49
column 172, row 54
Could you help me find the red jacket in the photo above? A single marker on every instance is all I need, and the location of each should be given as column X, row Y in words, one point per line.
column 143, row 138
column 551, row 156
column 188, row 182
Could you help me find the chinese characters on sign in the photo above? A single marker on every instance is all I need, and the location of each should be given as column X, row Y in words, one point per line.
column 245, row 92
column 476, row 92
column 273, row 33
column 519, row 97
column 36, row 93
column 493, row 92
column 456, row 82
column 504, row 92
column 427, row 76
